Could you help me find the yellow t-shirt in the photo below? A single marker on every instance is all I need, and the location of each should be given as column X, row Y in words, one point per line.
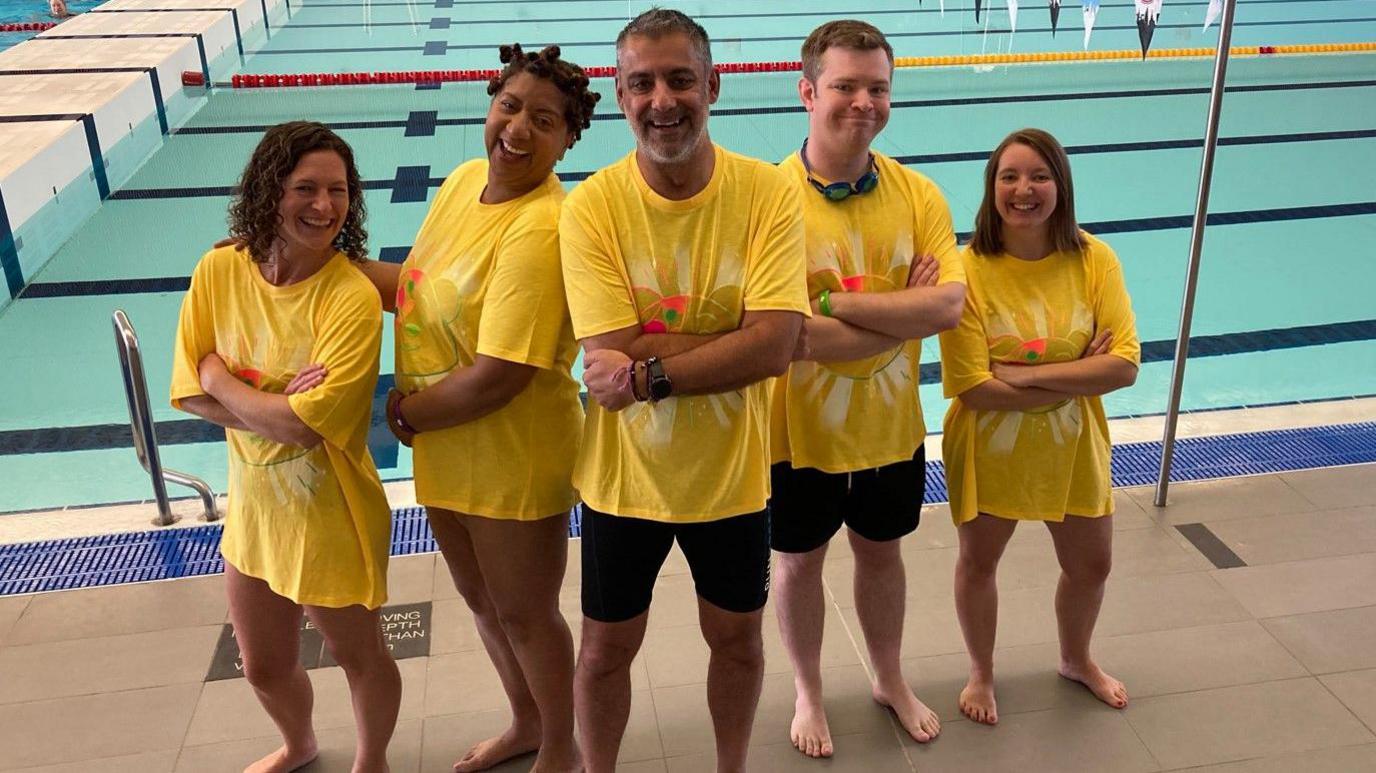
column 484, row 279
column 1045, row 463
column 861, row 414
column 314, row 524
column 633, row 257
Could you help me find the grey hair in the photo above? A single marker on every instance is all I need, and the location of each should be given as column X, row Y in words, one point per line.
column 660, row 22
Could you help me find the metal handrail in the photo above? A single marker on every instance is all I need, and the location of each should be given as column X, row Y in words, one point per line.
column 145, row 434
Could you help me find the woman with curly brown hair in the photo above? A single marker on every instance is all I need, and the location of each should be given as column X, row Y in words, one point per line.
column 484, row 349
column 278, row 342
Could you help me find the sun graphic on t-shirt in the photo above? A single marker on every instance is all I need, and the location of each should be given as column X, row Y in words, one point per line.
column 1032, row 334
column 672, row 295
column 435, row 325
column 259, row 467
column 833, row 386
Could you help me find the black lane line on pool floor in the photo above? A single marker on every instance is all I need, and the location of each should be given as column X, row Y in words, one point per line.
column 94, row 437
column 1208, row 543
column 792, row 38
column 413, row 190
column 423, row 124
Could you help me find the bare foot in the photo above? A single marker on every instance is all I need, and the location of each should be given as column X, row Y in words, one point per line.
column 1104, row 687
column 493, row 751
column 977, row 701
column 920, row 722
column 809, row 731
column 285, row 760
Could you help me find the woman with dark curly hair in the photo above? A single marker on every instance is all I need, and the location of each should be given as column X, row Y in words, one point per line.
column 484, row 349
column 278, row 342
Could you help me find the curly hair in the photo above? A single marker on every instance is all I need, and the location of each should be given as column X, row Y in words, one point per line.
column 569, row 78
column 253, row 217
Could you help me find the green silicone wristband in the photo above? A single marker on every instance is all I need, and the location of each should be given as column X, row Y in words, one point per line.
column 824, row 303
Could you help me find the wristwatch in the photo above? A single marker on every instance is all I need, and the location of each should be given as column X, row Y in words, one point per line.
column 659, row 383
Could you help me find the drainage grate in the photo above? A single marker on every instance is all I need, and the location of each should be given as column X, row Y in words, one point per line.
column 113, row 559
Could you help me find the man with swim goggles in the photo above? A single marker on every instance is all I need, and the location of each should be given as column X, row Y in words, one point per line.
column 847, row 432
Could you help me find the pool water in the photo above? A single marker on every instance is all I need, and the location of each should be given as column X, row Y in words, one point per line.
column 1284, row 312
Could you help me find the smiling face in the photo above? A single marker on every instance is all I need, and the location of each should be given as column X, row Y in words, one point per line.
column 1024, row 188
column 849, row 102
column 665, row 90
column 315, row 202
column 526, row 132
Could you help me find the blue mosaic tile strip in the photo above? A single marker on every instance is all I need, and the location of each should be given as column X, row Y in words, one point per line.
column 85, row 562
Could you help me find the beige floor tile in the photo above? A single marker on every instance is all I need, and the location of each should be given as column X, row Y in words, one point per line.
column 107, row 664
column 1338, row 640
column 644, row 766
column 448, row 738
column 11, row 608
column 1139, row 604
column 1274, row 539
column 453, row 628
column 1094, row 738
column 1027, row 681
column 1297, row 587
column 228, row 710
column 122, row 609
column 1129, row 514
column 443, row 585
column 1357, row 691
column 1334, row 487
column 95, row 726
column 682, row 711
column 1218, row 500
column 678, row 656
column 149, row 762
column 1234, row 723
column 462, row 683
column 410, row 579
column 336, row 752
column 869, row 753
column 1344, row 759
column 1190, row 659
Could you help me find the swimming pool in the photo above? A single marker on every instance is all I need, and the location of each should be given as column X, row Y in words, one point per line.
column 1284, row 310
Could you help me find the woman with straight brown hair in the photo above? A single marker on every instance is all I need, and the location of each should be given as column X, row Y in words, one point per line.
column 1047, row 329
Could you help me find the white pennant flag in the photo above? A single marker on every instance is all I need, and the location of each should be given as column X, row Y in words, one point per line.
column 1091, row 10
column 1211, row 15
column 1012, row 16
column 1147, row 11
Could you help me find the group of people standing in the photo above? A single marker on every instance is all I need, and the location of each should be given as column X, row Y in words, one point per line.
column 751, row 338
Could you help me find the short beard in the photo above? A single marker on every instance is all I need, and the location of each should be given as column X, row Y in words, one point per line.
column 644, row 145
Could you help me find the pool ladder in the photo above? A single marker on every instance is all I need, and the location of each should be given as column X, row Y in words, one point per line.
column 145, row 434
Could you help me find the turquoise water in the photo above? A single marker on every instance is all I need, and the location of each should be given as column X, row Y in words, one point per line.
column 1286, row 290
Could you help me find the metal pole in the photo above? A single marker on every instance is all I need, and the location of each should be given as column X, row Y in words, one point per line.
column 1201, row 211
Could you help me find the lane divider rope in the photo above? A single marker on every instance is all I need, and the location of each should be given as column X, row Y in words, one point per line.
column 289, row 80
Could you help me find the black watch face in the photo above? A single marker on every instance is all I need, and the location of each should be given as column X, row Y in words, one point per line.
column 660, row 388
